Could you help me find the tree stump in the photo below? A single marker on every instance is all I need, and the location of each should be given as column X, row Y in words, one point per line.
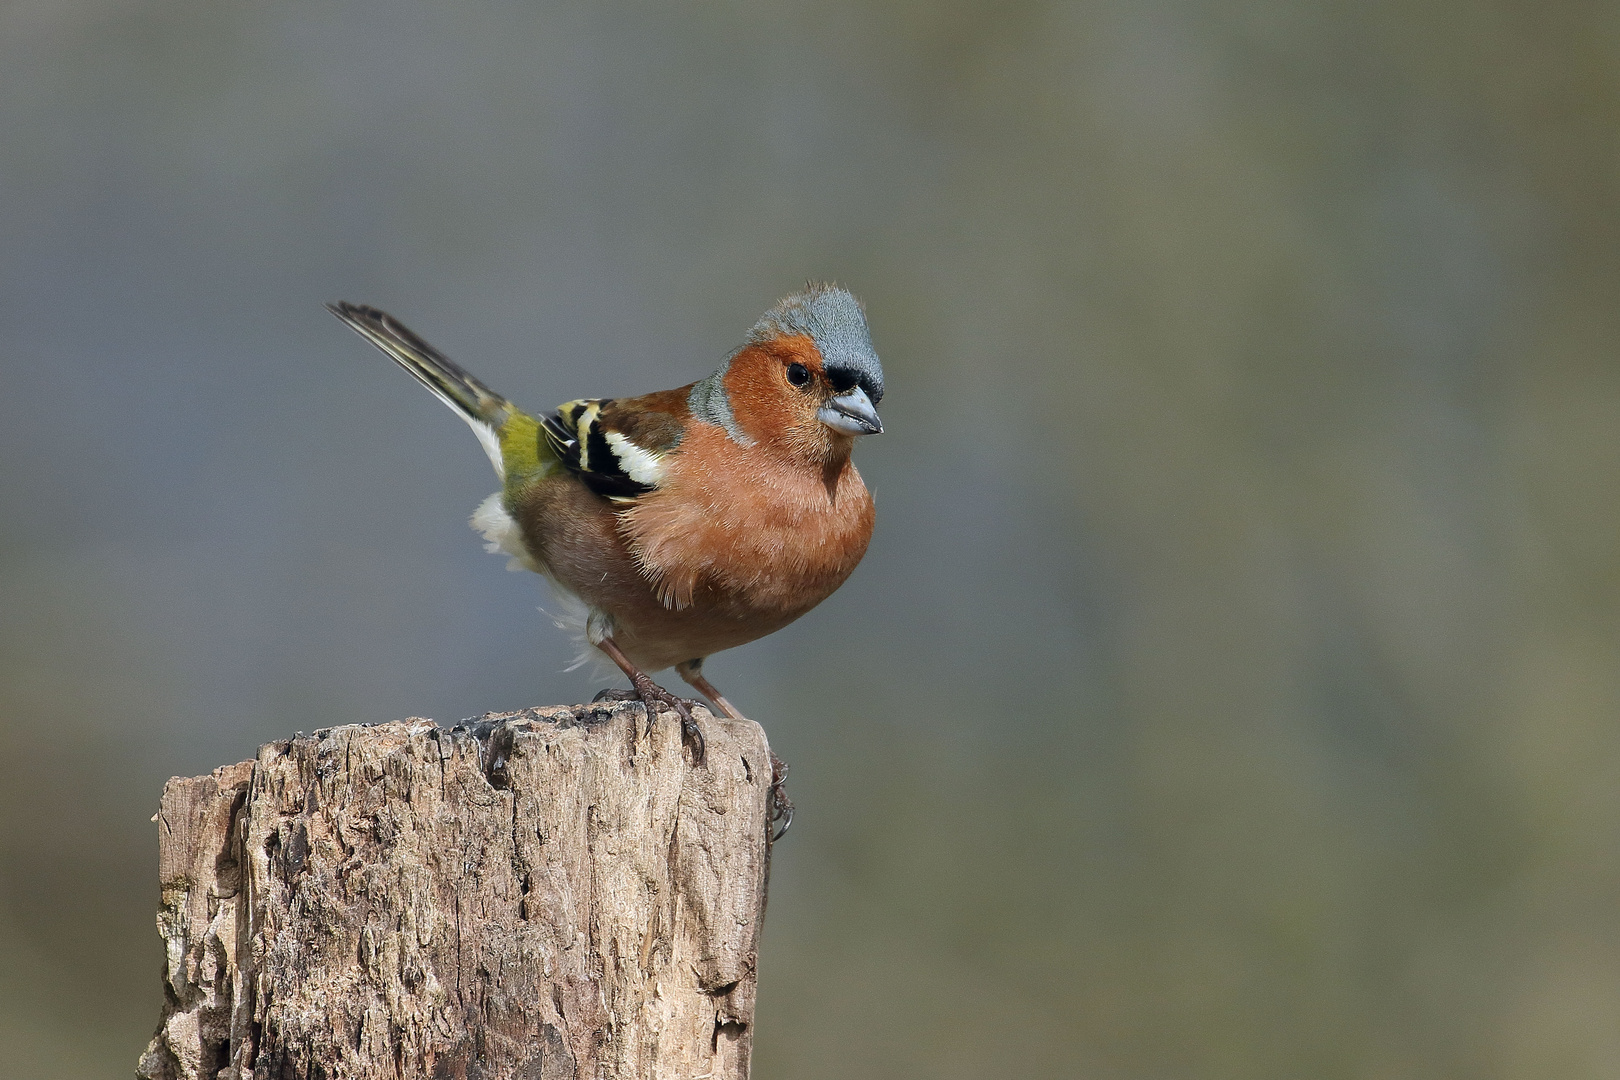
column 547, row 894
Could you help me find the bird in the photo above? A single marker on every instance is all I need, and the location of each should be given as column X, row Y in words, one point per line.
column 686, row 521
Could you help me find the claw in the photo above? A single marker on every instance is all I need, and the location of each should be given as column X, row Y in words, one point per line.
column 652, row 696
column 693, row 735
column 781, row 805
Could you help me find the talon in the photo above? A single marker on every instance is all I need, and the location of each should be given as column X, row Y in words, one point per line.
column 781, row 805
column 652, row 696
column 691, row 733
column 781, row 810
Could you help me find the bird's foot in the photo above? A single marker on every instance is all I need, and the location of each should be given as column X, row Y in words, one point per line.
column 652, row 695
column 781, row 805
column 615, row 695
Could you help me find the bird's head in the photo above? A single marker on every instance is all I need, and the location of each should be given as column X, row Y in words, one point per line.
column 808, row 381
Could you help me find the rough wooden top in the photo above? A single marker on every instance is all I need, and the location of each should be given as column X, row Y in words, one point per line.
column 534, row 894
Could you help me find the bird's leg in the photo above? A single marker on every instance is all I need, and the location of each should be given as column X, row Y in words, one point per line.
column 652, row 695
column 692, row 672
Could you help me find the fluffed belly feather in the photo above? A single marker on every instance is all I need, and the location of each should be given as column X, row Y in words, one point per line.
column 583, row 545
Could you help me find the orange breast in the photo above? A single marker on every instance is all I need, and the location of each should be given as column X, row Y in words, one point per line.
column 747, row 530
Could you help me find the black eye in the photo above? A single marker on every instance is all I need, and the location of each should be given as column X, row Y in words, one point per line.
column 798, row 374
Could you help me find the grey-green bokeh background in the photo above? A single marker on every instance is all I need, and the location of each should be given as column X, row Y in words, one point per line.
column 1231, row 687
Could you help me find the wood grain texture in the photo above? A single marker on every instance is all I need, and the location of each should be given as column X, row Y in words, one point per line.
column 535, row 895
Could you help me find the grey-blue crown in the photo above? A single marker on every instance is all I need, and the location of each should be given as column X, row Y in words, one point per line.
column 833, row 319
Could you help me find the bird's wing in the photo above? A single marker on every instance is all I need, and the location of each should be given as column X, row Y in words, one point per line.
column 619, row 447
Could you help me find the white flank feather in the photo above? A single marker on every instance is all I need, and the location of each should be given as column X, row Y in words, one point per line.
column 588, row 626
column 503, row 534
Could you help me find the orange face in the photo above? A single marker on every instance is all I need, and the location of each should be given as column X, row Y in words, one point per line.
column 777, row 389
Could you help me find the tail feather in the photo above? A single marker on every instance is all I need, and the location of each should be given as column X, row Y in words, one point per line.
column 485, row 411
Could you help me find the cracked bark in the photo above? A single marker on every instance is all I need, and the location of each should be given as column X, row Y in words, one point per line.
column 536, row 895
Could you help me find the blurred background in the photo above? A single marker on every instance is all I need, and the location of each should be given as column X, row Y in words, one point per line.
column 1231, row 688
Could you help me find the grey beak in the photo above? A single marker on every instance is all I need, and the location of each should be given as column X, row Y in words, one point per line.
column 851, row 413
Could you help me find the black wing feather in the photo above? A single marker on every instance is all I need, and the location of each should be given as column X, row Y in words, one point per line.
column 576, row 435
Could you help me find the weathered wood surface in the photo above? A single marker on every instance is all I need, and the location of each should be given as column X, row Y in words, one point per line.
column 531, row 895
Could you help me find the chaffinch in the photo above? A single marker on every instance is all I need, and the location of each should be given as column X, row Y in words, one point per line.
column 690, row 520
